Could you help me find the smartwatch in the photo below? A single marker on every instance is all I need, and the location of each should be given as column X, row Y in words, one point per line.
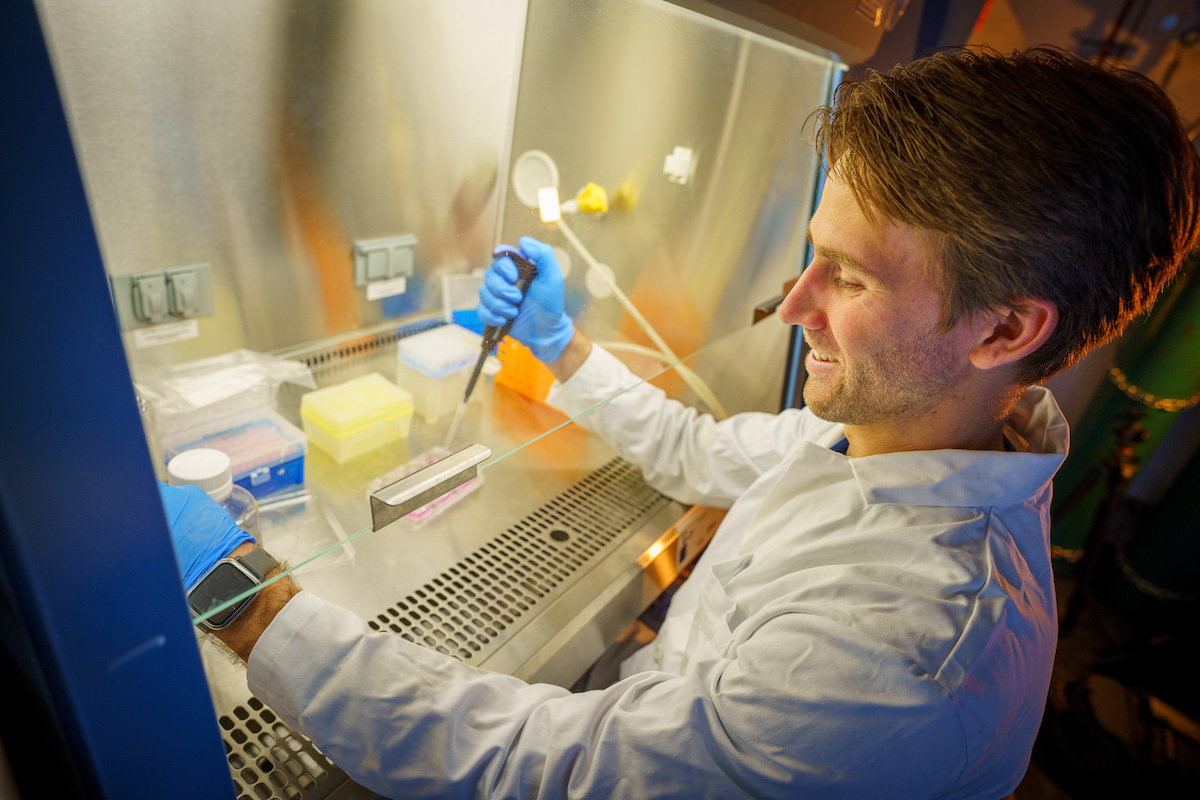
column 228, row 578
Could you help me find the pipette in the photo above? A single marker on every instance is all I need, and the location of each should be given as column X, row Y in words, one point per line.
column 492, row 334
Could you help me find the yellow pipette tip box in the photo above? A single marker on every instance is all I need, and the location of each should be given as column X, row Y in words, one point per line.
column 357, row 416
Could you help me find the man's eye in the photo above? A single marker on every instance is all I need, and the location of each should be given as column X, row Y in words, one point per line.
column 846, row 285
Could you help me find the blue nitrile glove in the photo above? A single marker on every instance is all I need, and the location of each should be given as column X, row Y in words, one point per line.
column 201, row 530
column 540, row 323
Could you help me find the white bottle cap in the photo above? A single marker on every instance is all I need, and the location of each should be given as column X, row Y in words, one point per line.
column 209, row 469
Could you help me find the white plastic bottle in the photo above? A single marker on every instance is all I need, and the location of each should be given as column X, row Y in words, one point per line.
column 211, row 471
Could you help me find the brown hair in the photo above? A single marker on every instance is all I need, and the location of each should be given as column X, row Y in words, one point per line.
column 1036, row 174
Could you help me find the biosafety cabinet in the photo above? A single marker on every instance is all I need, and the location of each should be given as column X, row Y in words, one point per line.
column 304, row 192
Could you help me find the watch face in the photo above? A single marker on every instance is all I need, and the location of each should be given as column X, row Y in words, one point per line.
column 225, row 581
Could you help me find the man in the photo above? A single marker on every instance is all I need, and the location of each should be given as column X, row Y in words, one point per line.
column 875, row 616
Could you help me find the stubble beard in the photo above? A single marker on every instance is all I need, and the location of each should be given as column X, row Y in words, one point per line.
column 900, row 382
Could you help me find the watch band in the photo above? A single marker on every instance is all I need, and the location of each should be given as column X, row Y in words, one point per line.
column 259, row 562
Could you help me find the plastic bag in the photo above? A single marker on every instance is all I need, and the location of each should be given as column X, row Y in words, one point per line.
column 195, row 392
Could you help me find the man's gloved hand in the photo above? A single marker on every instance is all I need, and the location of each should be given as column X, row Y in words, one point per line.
column 201, row 530
column 540, row 323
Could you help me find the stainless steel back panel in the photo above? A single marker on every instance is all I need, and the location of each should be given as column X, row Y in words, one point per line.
column 608, row 90
column 263, row 138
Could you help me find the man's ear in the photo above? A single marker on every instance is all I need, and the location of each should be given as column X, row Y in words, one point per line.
column 1009, row 334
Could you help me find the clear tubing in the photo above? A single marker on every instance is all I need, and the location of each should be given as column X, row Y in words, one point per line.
column 690, row 378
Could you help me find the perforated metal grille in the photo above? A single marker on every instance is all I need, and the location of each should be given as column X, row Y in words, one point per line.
column 270, row 760
column 486, row 597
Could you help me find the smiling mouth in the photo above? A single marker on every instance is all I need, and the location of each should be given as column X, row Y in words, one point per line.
column 819, row 357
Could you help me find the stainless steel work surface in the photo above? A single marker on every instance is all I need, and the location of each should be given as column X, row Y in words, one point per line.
column 533, row 573
column 521, row 475
column 567, row 573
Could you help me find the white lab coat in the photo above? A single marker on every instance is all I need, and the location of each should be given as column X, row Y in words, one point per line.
column 859, row 628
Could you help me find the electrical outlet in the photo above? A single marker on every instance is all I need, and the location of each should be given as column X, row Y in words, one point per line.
column 383, row 259
column 159, row 296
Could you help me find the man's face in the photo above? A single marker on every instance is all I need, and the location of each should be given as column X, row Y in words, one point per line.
column 870, row 312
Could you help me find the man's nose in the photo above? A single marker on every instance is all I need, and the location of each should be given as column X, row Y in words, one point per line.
column 801, row 306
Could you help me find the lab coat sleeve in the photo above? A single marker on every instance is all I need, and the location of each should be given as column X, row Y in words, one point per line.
column 803, row 707
column 684, row 454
